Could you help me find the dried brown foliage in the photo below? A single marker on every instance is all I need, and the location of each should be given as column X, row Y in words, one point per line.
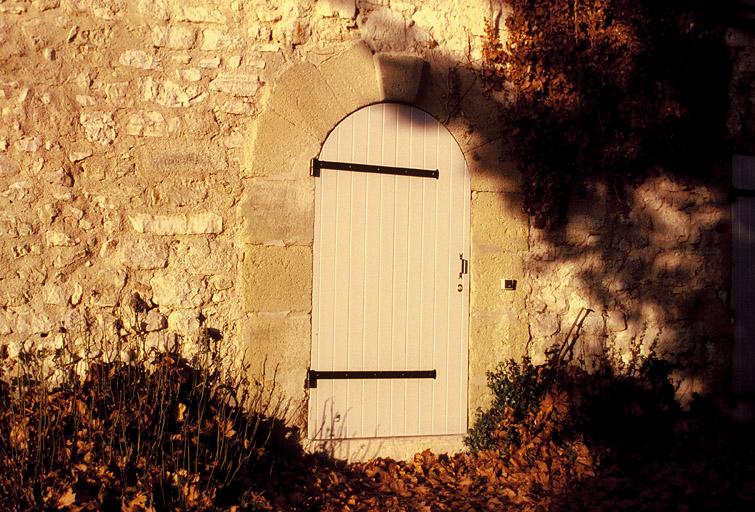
column 608, row 87
column 165, row 433
column 538, row 469
column 154, row 431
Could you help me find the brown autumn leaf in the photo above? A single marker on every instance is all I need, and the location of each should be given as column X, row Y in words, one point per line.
column 66, row 499
column 136, row 504
column 181, row 415
column 228, row 430
column 19, row 435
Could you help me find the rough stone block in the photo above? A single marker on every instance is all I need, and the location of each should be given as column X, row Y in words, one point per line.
column 487, row 270
column 495, row 336
column 5, row 324
column 58, row 239
column 357, row 87
column 616, row 321
column 184, row 322
column 144, row 254
column 146, row 124
column 176, row 37
column 169, row 93
column 384, row 28
column 477, row 105
column 7, row 166
column 277, row 278
column 278, row 211
column 28, row 144
column 204, row 256
column 194, row 224
column 279, row 149
column 498, row 224
column 302, row 96
column 236, row 84
column 278, row 345
column 189, row 74
column 159, row 224
column 55, row 295
column 78, row 154
column 32, row 322
column 345, row 9
column 544, row 324
column 398, row 76
column 177, row 290
column 98, row 127
column 106, row 285
column 200, row 14
column 213, row 39
column 489, row 172
column 204, row 223
column 181, row 157
column 154, row 321
column 138, row 59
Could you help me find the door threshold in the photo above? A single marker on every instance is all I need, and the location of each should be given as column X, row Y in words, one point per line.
column 398, row 448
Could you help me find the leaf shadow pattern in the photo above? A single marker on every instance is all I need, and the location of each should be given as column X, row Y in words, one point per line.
column 614, row 116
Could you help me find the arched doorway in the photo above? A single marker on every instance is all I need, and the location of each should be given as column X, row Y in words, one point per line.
column 390, row 309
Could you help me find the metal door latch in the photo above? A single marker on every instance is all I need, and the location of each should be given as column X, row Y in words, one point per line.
column 464, row 265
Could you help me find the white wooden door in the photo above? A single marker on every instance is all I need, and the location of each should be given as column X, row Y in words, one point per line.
column 743, row 273
column 388, row 292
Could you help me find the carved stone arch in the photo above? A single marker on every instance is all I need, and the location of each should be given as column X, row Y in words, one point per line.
column 302, row 106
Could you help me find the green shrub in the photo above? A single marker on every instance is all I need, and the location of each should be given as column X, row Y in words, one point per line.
column 517, row 389
column 631, row 406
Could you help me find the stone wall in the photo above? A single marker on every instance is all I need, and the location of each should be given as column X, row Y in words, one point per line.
column 648, row 272
column 139, row 157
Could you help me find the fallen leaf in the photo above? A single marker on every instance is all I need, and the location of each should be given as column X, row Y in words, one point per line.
column 67, row 499
column 181, row 413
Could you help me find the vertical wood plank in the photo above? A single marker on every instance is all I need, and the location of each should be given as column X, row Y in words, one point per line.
column 401, row 264
column 457, row 335
column 341, row 320
column 373, row 222
column 314, row 399
column 443, row 284
column 387, row 260
column 325, row 264
column 429, row 255
column 355, row 341
column 465, row 312
column 414, row 272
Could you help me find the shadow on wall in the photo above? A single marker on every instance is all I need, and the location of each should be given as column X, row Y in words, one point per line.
column 632, row 182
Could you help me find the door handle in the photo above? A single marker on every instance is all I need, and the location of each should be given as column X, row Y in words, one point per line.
column 464, row 265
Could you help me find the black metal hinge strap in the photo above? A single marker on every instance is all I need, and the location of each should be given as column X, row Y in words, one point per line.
column 735, row 193
column 314, row 375
column 317, row 165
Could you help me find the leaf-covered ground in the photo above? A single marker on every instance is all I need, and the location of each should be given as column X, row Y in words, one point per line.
column 169, row 434
column 707, row 465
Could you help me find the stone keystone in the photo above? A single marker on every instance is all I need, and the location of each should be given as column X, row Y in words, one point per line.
column 398, row 76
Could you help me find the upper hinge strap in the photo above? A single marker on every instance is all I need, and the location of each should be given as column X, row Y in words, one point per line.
column 317, row 165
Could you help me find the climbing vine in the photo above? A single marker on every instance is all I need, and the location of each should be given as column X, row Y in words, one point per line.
column 610, row 88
